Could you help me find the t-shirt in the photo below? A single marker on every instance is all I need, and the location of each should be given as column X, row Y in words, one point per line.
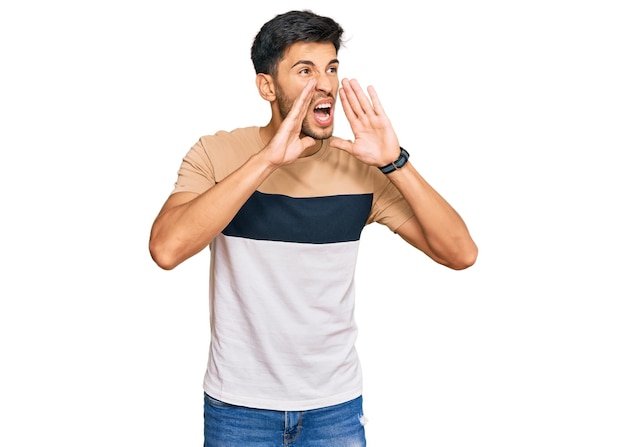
column 281, row 289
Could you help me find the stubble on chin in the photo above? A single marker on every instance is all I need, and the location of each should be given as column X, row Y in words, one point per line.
column 319, row 135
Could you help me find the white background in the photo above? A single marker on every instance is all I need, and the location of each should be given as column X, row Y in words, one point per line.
column 515, row 111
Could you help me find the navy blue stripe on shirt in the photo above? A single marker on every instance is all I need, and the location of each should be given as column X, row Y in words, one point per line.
column 315, row 220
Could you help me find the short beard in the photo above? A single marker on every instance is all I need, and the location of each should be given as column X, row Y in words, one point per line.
column 284, row 106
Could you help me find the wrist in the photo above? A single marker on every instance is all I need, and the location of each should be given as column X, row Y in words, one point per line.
column 397, row 164
column 264, row 161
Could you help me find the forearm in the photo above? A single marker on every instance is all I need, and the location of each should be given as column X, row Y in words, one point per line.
column 443, row 230
column 184, row 229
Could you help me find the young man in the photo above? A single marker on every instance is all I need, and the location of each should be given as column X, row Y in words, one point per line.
column 282, row 208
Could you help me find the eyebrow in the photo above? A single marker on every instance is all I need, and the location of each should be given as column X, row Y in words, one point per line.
column 306, row 62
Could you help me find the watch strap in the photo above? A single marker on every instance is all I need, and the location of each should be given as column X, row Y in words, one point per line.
column 394, row 165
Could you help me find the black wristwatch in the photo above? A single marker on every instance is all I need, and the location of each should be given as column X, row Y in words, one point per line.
column 401, row 161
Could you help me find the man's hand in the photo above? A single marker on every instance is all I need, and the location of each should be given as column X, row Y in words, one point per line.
column 375, row 141
column 286, row 145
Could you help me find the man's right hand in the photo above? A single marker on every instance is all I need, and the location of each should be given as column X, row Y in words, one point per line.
column 286, row 145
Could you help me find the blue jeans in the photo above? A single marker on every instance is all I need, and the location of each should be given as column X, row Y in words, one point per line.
column 228, row 425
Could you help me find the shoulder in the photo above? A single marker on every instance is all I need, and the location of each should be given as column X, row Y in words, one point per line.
column 243, row 136
column 225, row 151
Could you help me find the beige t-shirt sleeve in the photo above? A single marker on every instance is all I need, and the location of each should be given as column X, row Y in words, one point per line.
column 389, row 207
column 214, row 157
column 196, row 173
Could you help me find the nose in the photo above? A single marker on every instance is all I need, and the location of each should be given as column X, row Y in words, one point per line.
column 324, row 83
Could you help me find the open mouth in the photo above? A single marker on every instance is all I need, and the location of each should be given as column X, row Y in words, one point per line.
column 323, row 113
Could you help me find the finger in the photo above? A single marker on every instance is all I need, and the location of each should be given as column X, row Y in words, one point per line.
column 340, row 143
column 360, row 97
column 378, row 106
column 352, row 97
column 345, row 103
column 307, row 142
column 300, row 106
column 355, row 124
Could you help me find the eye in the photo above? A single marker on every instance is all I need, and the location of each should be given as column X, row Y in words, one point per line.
column 333, row 70
column 305, row 71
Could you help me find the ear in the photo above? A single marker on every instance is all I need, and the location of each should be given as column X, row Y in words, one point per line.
column 265, row 85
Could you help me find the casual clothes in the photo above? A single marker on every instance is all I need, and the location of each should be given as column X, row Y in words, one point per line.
column 282, row 289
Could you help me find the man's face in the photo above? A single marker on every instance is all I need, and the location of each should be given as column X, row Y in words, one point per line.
column 304, row 61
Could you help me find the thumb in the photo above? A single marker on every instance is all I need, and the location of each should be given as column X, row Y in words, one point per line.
column 340, row 143
column 307, row 142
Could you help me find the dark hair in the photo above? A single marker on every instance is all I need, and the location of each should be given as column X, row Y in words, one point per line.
column 283, row 30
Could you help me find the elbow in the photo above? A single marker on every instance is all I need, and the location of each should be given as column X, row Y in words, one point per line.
column 465, row 258
column 163, row 257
